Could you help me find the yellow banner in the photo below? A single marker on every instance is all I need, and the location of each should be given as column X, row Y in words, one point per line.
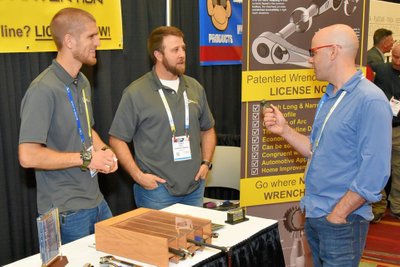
column 271, row 189
column 281, row 85
column 24, row 24
column 273, row 171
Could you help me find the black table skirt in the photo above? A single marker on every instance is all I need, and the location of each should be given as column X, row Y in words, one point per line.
column 263, row 249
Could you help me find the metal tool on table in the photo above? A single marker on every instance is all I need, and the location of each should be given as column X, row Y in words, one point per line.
column 111, row 260
column 181, row 252
column 201, row 242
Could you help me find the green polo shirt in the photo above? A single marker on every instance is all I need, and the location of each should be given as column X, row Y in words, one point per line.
column 141, row 118
column 47, row 118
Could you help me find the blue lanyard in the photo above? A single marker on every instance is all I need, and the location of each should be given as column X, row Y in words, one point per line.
column 78, row 122
column 323, row 100
column 321, row 103
column 342, row 94
column 315, row 145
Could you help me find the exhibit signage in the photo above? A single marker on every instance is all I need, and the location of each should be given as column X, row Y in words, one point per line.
column 276, row 38
column 220, row 32
column 24, row 25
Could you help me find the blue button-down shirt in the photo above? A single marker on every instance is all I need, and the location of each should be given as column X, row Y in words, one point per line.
column 354, row 149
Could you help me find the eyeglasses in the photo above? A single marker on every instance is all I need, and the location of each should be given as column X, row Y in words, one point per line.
column 314, row 49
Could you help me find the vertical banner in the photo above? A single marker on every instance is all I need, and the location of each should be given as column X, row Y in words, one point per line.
column 25, row 25
column 220, row 32
column 276, row 38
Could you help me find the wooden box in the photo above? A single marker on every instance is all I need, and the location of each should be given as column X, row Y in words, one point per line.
column 147, row 235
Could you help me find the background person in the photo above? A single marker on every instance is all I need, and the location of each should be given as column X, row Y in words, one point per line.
column 348, row 150
column 383, row 43
column 56, row 135
column 387, row 78
column 166, row 115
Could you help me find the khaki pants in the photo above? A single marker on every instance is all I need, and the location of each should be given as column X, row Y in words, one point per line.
column 380, row 206
column 394, row 196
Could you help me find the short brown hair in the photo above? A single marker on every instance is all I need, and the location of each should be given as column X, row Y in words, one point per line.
column 156, row 38
column 68, row 20
column 381, row 34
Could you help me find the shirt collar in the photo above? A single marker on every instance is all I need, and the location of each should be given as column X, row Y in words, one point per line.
column 158, row 83
column 62, row 74
column 349, row 86
column 381, row 53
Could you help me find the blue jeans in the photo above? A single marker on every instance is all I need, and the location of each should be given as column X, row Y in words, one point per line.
column 160, row 198
column 336, row 245
column 80, row 223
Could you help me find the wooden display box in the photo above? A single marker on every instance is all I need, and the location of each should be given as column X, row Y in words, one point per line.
column 146, row 235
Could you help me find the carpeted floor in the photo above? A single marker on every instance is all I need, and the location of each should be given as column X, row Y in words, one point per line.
column 383, row 244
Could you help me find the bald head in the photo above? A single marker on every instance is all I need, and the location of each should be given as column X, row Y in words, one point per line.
column 396, row 48
column 396, row 56
column 340, row 34
column 334, row 50
column 69, row 21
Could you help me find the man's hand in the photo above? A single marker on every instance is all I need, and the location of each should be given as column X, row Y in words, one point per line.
column 103, row 161
column 274, row 120
column 202, row 173
column 149, row 181
column 335, row 219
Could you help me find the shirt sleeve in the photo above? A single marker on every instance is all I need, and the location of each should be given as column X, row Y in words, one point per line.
column 123, row 125
column 36, row 115
column 374, row 150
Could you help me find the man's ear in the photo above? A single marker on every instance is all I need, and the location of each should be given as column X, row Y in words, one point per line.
column 158, row 55
column 68, row 40
column 334, row 52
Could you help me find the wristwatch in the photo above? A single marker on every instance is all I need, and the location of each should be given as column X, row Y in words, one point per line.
column 207, row 163
column 86, row 156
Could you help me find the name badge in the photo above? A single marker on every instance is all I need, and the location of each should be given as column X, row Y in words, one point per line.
column 181, row 148
column 395, row 105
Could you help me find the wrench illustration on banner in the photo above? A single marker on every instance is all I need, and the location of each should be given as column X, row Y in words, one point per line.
column 272, row 48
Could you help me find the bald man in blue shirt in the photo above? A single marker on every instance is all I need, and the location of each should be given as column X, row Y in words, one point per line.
column 348, row 151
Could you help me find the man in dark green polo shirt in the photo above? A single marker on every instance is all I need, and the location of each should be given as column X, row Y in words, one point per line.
column 166, row 115
column 56, row 135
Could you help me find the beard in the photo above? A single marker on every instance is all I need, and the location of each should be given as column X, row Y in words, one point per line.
column 90, row 61
column 85, row 59
column 177, row 70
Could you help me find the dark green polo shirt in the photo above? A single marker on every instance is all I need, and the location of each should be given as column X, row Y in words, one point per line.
column 47, row 118
column 141, row 118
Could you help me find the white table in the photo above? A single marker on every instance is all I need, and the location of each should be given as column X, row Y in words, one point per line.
column 83, row 250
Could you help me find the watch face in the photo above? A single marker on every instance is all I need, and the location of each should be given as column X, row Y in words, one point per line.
column 86, row 155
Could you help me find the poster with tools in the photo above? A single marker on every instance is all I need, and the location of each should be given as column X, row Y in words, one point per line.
column 276, row 41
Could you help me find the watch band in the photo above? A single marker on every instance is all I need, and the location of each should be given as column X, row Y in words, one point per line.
column 207, row 163
column 86, row 157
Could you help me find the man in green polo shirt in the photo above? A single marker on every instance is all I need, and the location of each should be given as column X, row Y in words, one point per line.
column 166, row 115
column 56, row 135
